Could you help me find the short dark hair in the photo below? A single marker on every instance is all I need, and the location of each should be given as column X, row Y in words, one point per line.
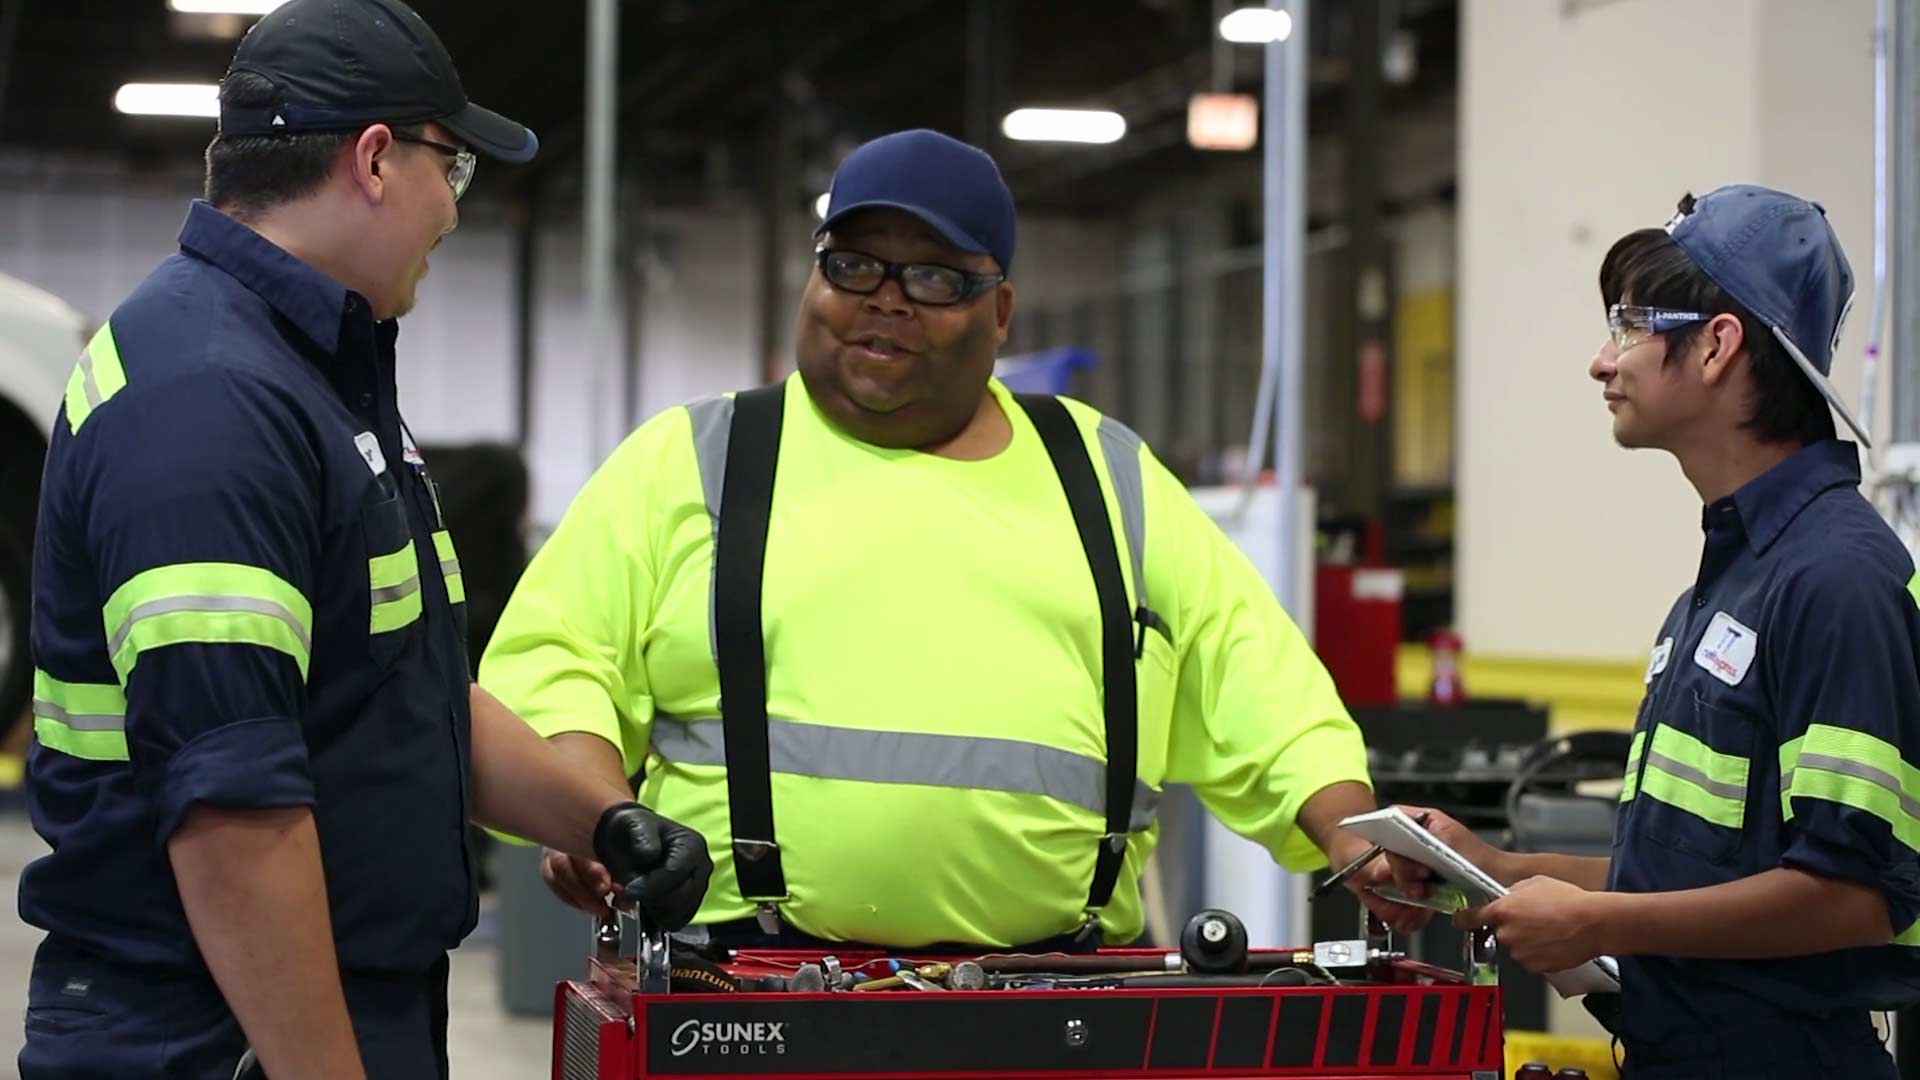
column 1649, row 269
column 250, row 174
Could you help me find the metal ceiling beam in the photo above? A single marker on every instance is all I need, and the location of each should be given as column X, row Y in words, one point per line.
column 658, row 93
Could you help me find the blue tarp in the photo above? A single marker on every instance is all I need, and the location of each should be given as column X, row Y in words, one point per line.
column 1048, row 371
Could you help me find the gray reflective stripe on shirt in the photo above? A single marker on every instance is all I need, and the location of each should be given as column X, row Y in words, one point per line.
column 1122, row 450
column 403, row 590
column 896, row 757
column 88, row 384
column 1658, row 760
column 79, row 721
column 211, row 603
column 448, row 568
column 712, row 430
column 1878, row 777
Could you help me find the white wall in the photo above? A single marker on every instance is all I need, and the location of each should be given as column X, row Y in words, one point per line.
column 1575, row 130
column 1818, row 123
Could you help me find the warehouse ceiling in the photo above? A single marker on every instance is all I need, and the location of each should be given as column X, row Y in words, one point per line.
column 720, row 98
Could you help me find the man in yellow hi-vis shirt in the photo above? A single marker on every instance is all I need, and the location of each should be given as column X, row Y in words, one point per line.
column 916, row 654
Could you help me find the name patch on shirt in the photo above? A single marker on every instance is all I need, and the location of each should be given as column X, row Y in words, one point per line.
column 369, row 447
column 1727, row 649
column 1657, row 662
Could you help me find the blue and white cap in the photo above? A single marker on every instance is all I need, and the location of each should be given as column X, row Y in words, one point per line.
column 1778, row 256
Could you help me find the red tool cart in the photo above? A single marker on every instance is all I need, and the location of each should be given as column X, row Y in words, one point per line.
column 1348, row 1009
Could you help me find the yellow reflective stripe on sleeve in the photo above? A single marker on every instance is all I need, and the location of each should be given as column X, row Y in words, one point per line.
column 1631, row 784
column 1686, row 773
column 228, row 603
column 395, row 583
column 86, row 720
column 1858, row 770
column 1911, row 936
column 97, row 377
column 450, row 567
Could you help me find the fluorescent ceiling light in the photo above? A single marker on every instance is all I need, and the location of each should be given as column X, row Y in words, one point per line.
column 1256, row 26
column 169, row 99
column 820, row 204
column 1064, row 125
column 224, row 7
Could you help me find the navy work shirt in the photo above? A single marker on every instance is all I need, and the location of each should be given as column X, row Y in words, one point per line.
column 244, row 596
column 1779, row 728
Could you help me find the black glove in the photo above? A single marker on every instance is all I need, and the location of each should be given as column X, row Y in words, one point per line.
column 660, row 865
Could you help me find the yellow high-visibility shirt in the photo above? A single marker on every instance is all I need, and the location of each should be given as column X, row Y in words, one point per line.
column 933, row 645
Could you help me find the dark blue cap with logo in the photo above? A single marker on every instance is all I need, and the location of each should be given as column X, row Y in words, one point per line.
column 338, row 65
column 1777, row 255
column 954, row 187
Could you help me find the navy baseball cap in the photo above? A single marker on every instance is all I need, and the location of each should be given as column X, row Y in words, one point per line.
column 341, row 64
column 954, row 187
column 1777, row 255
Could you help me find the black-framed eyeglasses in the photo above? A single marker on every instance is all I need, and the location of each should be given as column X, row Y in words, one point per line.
column 460, row 173
column 1626, row 320
column 923, row 283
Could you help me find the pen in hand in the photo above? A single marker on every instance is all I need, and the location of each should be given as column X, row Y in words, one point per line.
column 1341, row 875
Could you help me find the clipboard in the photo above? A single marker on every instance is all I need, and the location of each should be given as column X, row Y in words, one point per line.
column 1393, row 830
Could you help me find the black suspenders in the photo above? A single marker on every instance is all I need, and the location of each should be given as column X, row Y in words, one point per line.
column 1070, row 461
column 739, row 559
column 740, row 550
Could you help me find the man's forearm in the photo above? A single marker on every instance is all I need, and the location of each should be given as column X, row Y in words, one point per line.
column 1588, row 872
column 1776, row 913
column 592, row 754
column 526, row 787
column 1321, row 814
column 251, row 885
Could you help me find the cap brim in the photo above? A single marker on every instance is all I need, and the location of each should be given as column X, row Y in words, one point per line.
column 1823, row 384
column 489, row 133
column 952, row 233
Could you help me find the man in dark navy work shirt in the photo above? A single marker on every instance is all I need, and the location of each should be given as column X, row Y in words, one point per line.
column 257, row 740
column 1763, row 895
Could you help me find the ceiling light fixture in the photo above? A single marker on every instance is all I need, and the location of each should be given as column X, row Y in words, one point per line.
column 169, row 99
column 1064, row 125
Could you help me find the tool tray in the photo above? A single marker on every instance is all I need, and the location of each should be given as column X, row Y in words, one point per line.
column 1395, row 1018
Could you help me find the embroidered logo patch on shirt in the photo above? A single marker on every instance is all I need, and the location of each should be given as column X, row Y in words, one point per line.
column 1657, row 662
column 369, row 447
column 1727, row 649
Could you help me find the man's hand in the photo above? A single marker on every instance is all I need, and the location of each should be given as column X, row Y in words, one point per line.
column 1320, row 818
column 660, row 865
column 1544, row 924
column 1404, row 918
column 581, row 883
column 1413, row 878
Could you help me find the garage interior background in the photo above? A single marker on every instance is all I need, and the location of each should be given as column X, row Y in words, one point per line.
column 1468, row 163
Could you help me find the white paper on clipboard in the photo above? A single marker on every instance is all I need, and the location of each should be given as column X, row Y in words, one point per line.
column 1394, row 830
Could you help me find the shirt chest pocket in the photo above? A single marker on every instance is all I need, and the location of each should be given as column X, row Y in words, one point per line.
column 393, row 575
column 1696, row 781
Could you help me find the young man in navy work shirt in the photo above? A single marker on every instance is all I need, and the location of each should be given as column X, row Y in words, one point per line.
column 258, row 743
column 1763, row 891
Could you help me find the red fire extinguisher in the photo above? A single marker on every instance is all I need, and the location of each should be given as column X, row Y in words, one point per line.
column 1445, row 688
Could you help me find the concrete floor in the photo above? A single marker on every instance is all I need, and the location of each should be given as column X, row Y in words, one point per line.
column 486, row 1043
